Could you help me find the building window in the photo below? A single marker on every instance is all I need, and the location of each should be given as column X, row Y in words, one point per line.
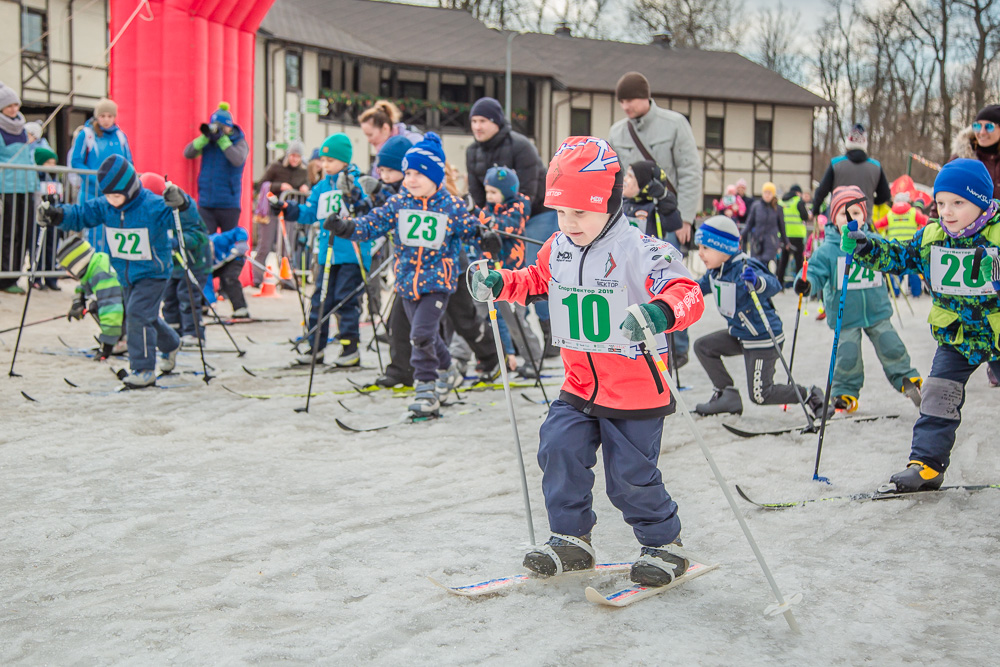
column 33, row 27
column 325, row 74
column 293, row 70
column 762, row 133
column 714, row 132
column 579, row 122
column 455, row 92
column 416, row 90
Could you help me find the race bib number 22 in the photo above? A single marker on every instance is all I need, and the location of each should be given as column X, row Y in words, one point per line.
column 129, row 244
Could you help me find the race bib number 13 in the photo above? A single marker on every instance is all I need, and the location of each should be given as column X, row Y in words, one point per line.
column 129, row 244
column 951, row 271
column 424, row 229
column 586, row 319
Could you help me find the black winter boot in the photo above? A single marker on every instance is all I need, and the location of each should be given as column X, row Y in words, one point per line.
column 917, row 477
column 562, row 553
column 550, row 351
column 658, row 566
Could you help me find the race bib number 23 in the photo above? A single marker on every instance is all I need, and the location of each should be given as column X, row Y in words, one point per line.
column 129, row 244
column 426, row 229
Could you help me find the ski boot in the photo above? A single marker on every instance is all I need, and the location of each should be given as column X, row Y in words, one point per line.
column 911, row 387
column 349, row 354
column 447, row 380
column 725, row 400
column 389, row 381
column 658, row 566
column 168, row 360
column 680, row 360
column 562, row 553
column 306, row 358
column 814, row 401
column 845, row 403
column 918, row 476
column 241, row 313
column 426, row 402
column 139, row 379
column 487, row 375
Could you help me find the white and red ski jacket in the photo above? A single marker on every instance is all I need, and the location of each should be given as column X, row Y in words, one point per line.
column 602, row 384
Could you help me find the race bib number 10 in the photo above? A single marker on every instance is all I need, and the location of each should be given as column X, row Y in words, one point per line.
column 425, row 229
column 861, row 277
column 586, row 319
column 129, row 244
column 951, row 271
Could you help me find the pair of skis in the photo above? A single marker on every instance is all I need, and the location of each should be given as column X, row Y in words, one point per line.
column 619, row 598
column 880, row 494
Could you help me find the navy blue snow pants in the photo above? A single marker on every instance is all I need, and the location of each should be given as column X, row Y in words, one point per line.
column 428, row 352
column 567, row 454
column 145, row 329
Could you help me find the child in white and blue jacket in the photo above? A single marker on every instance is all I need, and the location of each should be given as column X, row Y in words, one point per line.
column 725, row 283
column 139, row 228
column 336, row 193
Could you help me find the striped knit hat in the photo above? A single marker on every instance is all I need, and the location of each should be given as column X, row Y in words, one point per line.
column 427, row 157
column 116, row 176
column 719, row 233
column 74, row 254
column 843, row 196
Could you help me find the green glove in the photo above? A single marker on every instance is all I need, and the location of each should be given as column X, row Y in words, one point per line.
column 986, row 268
column 657, row 318
column 856, row 242
column 484, row 288
column 200, row 142
column 224, row 142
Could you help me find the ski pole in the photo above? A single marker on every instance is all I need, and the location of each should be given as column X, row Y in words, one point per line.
column 537, row 367
column 510, row 401
column 27, row 297
column 31, row 324
column 798, row 315
column 315, row 344
column 852, row 226
column 188, row 280
column 892, row 295
column 286, row 247
column 783, row 606
column 777, row 348
column 371, row 312
column 902, row 291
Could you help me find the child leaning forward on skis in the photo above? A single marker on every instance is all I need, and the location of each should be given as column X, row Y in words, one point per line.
column 430, row 225
column 613, row 395
column 866, row 308
column 958, row 253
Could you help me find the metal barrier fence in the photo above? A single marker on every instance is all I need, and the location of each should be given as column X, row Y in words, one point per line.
column 21, row 190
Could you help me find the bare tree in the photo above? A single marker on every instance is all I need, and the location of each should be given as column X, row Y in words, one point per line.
column 585, row 18
column 700, row 24
column 985, row 19
column 931, row 21
column 775, row 41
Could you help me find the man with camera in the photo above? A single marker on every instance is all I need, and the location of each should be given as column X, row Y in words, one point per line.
column 223, row 149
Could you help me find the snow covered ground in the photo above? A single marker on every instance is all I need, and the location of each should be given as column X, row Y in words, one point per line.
column 194, row 526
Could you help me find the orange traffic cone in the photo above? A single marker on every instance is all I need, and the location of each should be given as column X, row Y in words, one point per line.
column 286, row 270
column 268, row 287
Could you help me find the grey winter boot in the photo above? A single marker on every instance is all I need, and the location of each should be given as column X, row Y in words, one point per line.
column 562, row 553
column 658, row 566
column 725, row 400
column 426, row 400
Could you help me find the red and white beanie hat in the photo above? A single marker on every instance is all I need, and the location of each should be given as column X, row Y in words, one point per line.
column 585, row 175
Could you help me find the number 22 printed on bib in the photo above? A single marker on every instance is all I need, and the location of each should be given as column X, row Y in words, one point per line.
column 129, row 244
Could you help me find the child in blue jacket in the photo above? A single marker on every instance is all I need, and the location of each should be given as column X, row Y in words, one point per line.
column 430, row 225
column 139, row 228
column 729, row 270
column 335, row 194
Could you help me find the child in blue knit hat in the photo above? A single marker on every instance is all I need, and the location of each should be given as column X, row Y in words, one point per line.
column 139, row 227
column 430, row 225
column 958, row 254
column 725, row 283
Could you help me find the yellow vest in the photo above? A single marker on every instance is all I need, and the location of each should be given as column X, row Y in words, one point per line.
column 794, row 227
column 901, row 227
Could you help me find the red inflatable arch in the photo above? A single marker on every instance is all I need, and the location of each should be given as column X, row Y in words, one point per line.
column 170, row 73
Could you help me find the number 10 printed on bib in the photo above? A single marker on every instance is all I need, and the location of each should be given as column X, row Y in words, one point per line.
column 424, row 229
column 586, row 319
column 129, row 244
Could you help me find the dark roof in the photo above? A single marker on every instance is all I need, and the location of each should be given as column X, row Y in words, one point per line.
column 421, row 36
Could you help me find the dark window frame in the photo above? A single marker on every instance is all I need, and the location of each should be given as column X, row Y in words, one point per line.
column 575, row 118
column 710, row 141
column 297, row 56
column 758, row 124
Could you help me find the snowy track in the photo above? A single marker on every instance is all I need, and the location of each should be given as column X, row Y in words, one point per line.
column 193, row 526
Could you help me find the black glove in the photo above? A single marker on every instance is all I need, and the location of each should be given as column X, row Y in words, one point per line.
column 78, row 309
column 490, row 242
column 104, row 352
column 338, row 226
column 802, row 286
column 655, row 189
column 205, row 129
column 173, row 196
column 276, row 205
column 47, row 214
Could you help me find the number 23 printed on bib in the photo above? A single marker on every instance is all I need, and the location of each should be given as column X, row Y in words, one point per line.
column 951, row 271
column 426, row 229
column 129, row 244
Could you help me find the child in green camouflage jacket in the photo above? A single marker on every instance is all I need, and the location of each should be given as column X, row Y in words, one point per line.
column 98, row 281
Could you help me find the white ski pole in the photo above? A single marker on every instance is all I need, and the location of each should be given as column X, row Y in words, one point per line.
column 510, row 401
column 783, row 606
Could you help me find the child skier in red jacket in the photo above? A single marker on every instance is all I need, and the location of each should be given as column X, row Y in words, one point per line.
column 591, row 271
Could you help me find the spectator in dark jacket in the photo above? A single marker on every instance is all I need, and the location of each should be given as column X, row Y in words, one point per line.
column 497, row 144
column 223, row 149
column 284, row 175
column 854, row 167
column 765, row 229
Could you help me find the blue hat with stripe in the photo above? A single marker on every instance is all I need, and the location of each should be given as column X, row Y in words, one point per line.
column 719, row 233
column 427, row 157
column 116, row 176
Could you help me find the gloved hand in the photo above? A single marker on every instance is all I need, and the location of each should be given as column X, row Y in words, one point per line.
column 802, row 286
column 370, row 186
column 173, row 196
column 275, row 204
column 655, row 317
column 655, row 190
column 489, row 241
column 104, row 352
column 223, row 141
column 749, row 275
column 856, row 242
column 338, row 226
column 986, row 268
column 47, row 214
column 486, row 287
column 78, row 309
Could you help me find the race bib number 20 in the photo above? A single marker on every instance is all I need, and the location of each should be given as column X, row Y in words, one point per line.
column 129, row 244
column 951, row 271
column 426, row 229
column 586, row 319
